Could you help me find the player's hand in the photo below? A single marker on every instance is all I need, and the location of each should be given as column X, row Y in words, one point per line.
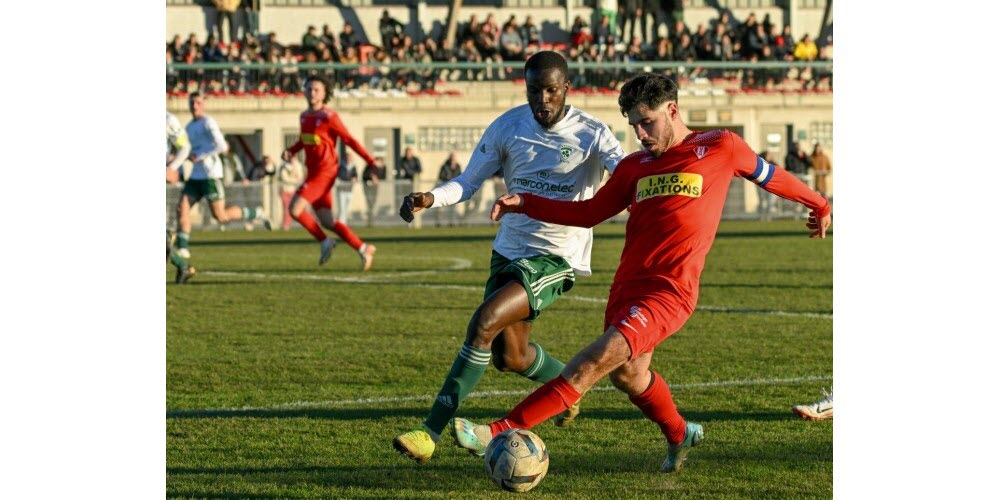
column 819, row 226
column 508, row 203
column 172, row 176
column 286, row 155
column 413, row 203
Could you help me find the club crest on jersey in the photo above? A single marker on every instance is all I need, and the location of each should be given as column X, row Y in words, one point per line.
column 564, row 152
column 701, row 151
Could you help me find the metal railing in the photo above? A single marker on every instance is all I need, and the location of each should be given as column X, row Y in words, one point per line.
column 289, row 77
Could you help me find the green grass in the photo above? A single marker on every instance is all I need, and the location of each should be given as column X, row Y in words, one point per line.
column 262, row 328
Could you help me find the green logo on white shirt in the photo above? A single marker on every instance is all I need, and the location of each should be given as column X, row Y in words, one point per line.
column 565, row 152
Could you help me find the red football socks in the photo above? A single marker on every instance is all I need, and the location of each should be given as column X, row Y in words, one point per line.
column 658, row 405
column 546, row 402
column 309, row 222
column 347, row 235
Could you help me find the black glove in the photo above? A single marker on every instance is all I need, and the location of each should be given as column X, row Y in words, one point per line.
column 406, row 209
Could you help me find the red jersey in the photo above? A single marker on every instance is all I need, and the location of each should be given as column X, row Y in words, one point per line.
column 319, row 133
column 675, row 203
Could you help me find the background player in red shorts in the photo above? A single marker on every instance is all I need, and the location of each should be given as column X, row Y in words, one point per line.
column 675, row 190
column 320, row 128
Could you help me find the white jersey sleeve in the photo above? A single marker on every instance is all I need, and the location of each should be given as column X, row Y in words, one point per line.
column 487, row 158
column 177, row 140
column 610, row 150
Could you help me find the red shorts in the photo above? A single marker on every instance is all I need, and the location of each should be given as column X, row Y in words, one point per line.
column 317, row 191
column 646, row 320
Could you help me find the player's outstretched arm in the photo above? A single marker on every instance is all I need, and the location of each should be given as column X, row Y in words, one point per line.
column 413, row 203
column 819, row 225
column 508, row 203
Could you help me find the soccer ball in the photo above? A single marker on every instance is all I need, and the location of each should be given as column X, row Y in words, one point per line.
column 516, row 460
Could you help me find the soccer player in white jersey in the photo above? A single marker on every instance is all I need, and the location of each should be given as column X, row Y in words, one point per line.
column 544, row 147
column 178, row 149
column 205, row 181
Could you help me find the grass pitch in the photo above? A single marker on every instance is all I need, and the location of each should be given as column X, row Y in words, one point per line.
column 285, row 379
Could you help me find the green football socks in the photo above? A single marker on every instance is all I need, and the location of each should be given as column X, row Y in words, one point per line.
column 182, row 239
column 544, row 368
column 178, row 261
column 465, row 373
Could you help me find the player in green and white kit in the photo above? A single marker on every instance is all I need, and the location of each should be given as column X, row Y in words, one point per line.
column 178, row 149
column 544, row 147
column 205, row 181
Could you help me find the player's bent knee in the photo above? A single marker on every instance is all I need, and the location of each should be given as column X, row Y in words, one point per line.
column 483, row 327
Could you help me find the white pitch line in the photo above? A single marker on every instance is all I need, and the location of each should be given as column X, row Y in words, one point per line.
column 461, row 264
column 485, row 394
column 457, row 264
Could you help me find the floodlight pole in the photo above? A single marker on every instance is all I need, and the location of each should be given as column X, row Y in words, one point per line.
column 449, row 37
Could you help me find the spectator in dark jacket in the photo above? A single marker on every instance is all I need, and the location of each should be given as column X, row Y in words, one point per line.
column 684, row 50
column 604, row 33
column 310, row 39
column 348, row 38
column 530, row 33
column 328, row 37
column 409, row 165
column 756, row 41
column 449, row 169
column 797, row 161
column 389, row 27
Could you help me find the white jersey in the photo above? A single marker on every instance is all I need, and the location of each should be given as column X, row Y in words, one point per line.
column 565, row 162
column 207, row 142
column 177, row 142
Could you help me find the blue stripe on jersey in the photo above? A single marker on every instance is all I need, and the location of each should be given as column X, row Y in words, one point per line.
column 770, row 173
column 762, row 174
column 758, row 170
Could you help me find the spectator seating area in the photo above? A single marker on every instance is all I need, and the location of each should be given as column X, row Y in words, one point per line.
column 260, row 65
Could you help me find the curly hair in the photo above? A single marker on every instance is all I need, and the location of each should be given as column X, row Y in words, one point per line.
column 650, row 89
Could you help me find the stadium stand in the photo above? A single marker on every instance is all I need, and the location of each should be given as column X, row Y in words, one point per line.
column 258, row 63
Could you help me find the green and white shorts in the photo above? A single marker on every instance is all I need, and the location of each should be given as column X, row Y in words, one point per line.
column 544, row 277
column 211, row 189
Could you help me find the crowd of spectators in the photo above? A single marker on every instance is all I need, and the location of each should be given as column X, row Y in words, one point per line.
column 723, row 39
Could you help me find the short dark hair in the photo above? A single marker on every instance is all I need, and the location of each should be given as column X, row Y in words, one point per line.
column 651, row 89
column 326, row 86
column 546, row 60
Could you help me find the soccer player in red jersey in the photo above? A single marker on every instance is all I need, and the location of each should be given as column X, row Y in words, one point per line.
column 675, row 189
column 320, row 129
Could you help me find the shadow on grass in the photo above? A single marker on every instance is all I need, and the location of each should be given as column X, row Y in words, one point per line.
column 582, row 465
column 389, row 481
column 469, row 238
column 475, row 414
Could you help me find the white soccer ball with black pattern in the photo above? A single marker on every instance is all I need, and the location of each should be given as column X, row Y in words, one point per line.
column 516, row 460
